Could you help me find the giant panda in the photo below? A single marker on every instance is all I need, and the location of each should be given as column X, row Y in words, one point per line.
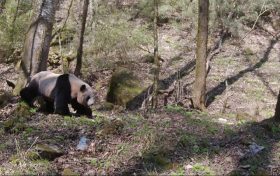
column 59, row 90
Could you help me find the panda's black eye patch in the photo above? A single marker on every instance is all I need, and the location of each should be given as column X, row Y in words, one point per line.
column 88, row 97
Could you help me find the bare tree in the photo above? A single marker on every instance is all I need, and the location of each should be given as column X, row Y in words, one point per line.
column 37, row 41
column 277, row 109
column 156, row 59
column 199, row 88
column 81, row 38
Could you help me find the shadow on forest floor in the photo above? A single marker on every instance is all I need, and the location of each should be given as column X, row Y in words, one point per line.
column 209, row 141
column 220, row 88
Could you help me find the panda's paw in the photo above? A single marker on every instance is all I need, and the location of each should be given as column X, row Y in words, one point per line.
column 62, row 112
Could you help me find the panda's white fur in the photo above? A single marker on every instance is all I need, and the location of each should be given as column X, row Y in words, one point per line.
column 44, row 83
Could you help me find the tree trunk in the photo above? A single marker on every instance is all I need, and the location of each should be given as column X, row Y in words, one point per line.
column 2, row 5
column 199, row 88
column 81, row 39
column 156, row 59
column 277, row 109
column 37, row 41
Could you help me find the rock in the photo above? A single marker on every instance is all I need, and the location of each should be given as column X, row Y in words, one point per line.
column 90, row 172
column 188, row 167
column 49, row 152
column 228, row 159
column 68, row 172
column 82, row 143
column 222, row 120
column 255, row 149
column 245, row 166
column 124, row 86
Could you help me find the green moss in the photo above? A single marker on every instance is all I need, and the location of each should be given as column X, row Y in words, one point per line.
column 187, row 140
column 31, row 155
column 200, row 169
column 23, row 110
column 178, row 172
column 124, row 86
column 180, row 110
column 9, row 124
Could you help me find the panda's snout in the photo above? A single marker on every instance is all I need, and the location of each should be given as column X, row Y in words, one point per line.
column 90, row 102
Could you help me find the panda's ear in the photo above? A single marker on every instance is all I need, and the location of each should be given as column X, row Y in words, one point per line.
column 83, row 88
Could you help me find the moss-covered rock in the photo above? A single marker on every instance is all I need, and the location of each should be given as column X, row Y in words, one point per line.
column 48, row 152
column 124, row 86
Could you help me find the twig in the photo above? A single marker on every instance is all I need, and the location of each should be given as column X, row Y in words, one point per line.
column 147, row 50
column 32, row 144
column 260, row 14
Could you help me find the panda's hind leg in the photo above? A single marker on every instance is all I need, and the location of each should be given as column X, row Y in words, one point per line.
column 62, row 95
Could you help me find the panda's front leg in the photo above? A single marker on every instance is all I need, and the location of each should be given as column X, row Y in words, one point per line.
column 80, row 109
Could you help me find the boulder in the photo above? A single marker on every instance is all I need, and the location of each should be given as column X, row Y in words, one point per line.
column 124, row 86
column 49, row 152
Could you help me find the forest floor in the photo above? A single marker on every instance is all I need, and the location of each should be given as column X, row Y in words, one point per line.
column 235, row 136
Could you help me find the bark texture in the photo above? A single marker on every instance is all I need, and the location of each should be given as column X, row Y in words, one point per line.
column 277, row 109
column 37, row 41
column 199, row 88
column 81, row 38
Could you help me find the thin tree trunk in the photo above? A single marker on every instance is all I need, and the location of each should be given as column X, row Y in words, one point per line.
column 37, row 41
column 81, row 39
column 199, row 88
column 277, row 109
column 156, row 60
column 2, row 5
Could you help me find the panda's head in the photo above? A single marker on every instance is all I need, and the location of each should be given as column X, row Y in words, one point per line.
column 85, row 95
